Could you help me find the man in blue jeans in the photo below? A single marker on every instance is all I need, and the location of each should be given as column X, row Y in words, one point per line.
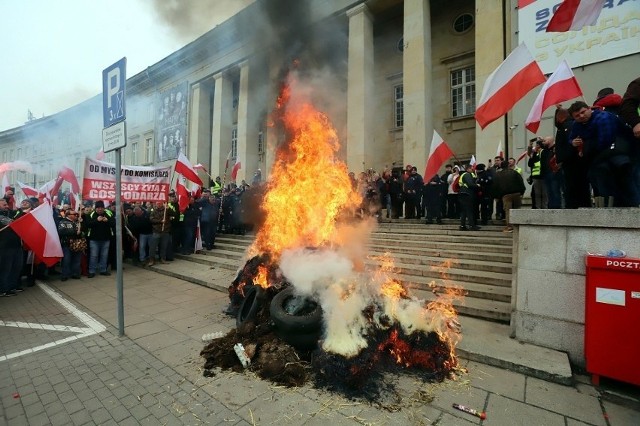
column 100, row 227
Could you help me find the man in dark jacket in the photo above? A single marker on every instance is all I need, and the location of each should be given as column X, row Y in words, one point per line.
column 140, row 226
column 433, row 195
column 101, row 226
column 577, row 190
column 189, row 226
column 485, row 194
column 10, row 253
column 468, row 197
column 510, row 186
column 630, row 113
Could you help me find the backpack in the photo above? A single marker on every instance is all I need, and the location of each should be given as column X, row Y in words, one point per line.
column 455, row 185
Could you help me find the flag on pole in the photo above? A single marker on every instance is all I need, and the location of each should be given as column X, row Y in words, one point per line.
column 561, row 86
column 234, row 171
column 509, row 83
column 226, row 164
column 69, row 175
column 573, row 15
column 28, row 190
column 499, row 151
column 198, row 246
column 200, row 167
column 182, row 193
column 472, row 162
column 438, row 154
column 38, row 231
column 184, row 167
column 524, row 154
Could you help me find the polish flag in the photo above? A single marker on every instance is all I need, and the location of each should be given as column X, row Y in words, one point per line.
column 499, row 151
column 50, row 189
column 509, row 83
column 182, row 193
column 198, row 246
column 28, row 190
column 184, row 167
column 438, row 154
column 561, row 86
column 200, row 167
column 196, row 190
column 69, row 175
column 226, row 163
column 524, row 154
column 234, row 171
column 473, row 163
column 38, row 231
column 573, row 15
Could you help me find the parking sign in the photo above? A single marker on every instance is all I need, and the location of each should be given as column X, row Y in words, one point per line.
column 114, row 80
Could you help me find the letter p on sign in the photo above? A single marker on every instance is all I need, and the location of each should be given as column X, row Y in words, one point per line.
column 114, row 79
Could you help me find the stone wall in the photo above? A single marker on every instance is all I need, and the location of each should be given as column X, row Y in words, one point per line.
column 548, row 287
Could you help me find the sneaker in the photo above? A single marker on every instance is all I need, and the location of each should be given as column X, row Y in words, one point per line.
column 105, row 273
column 91, row 275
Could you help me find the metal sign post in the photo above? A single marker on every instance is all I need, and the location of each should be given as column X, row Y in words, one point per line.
column 114, row 137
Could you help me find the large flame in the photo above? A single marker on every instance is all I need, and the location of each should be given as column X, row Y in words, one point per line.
column 308, row 187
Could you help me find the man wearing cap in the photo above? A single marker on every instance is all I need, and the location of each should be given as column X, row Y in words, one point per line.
column 100, row 227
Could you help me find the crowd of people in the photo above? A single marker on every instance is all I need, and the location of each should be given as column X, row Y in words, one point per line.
column 151, row 232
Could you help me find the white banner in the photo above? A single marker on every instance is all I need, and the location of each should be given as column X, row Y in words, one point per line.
column 616, row 34
column 138, row 183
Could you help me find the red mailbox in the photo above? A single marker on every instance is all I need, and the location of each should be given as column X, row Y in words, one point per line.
column 612, row 318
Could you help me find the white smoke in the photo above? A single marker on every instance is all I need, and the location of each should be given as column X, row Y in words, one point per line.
column 329, row 277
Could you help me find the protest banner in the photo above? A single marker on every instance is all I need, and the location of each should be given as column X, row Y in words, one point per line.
column 139, row 183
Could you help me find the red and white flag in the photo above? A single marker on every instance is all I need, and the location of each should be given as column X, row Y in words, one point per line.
column 561, row 86
column 234, row 171
column 28, row 190
column 38, row 232
column 50, row 189
column 183, row 194
column 184, row 167
column 198, row 246
column 200, row 167
column 524, row 3
column 499, row 151
column 573, row 15
column 472, row 162
column 439, row 153
column 69, row 175
column 509, row 83
column 524, row 154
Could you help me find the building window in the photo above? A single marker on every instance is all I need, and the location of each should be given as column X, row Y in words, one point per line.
column 463, row 92
column 134, row 154
column 234, row 142
column 463, row 23
column 148, row 150
column 398, row 93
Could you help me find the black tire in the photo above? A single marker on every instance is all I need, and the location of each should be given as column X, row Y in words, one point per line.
column 295, row 324
column 306, row 342
column 249, row 307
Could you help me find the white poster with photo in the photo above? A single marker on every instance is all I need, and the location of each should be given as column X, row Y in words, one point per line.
column 617, row 33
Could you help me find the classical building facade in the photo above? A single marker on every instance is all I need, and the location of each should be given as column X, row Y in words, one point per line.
column 390, row 72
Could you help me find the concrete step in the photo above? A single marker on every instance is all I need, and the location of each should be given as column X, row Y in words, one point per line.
column 472, row 289
column 463, row 253
column 454, row 262
column 449, row 273
column 474, row 307
column 452, row 245
column 470, row 238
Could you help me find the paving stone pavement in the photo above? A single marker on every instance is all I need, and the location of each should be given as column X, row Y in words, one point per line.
column 62, row 363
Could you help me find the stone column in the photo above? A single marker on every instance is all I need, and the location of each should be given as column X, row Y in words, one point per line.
column 249, row 107
column 222, row 123
column 417, row 83
column 360, row 98
column 198, row 147
column 488, row 57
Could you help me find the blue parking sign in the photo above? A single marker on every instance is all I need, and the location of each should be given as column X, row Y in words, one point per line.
column 114, row 80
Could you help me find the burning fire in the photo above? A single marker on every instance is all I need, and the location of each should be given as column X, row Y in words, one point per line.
column 304, row 234
column 308, row 187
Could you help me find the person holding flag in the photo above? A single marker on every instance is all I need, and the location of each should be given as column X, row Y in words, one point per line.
column 10, row 252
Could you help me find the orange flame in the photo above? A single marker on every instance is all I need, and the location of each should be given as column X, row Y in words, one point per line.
column 261, row 278
column 308, row 188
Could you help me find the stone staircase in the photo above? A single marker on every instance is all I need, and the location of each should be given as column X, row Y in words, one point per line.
column 480, row 262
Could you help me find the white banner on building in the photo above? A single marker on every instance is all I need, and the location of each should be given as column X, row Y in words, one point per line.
column 138, row 183
column 616, row 34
